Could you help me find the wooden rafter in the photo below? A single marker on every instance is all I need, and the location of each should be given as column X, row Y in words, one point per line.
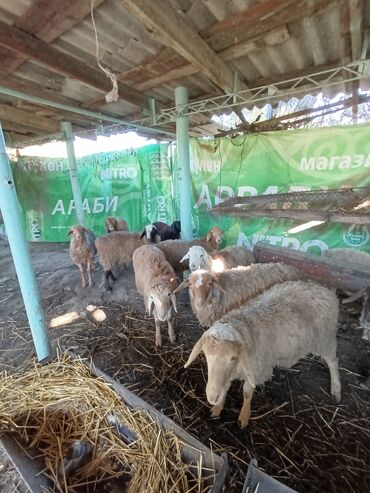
column 49, row 19
column 27, row 45
column 175, row 30
column 23, row 117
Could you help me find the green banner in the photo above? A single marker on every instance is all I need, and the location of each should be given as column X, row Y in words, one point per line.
column 277, row 162
column 142, row 185
column 135, row 185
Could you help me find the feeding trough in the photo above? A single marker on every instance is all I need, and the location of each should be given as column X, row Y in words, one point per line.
column 185, row 461
column 258, row 481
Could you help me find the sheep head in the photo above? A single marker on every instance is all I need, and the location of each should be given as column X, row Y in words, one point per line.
column 161, row 299
column 111, row 224
column 151, row 234
column 215, row 236
column 77, row 232
column 198, row 258
column 226, row 357
column 203, row 286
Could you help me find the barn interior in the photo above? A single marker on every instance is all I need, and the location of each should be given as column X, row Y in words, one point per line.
column 169, row 70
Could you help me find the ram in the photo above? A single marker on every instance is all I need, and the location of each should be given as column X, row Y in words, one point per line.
column 116, row 250
column 212, row 295
column 227, row 258
column 277, row 328
column 82, row 251
column 156, row 282
column 174, row 250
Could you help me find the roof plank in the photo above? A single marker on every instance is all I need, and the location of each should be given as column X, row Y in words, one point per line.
column 32, row 47
column 48, row 19
column 23, row 117
column 176, row 31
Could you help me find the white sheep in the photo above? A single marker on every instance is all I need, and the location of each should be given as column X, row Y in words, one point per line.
column 349, row 256
column 82, row 251
column 212, row 295
column 115, row 224
column 156, row 282
column 277, row 328
column 115, row 250
column 227, row 258
column 174, row 250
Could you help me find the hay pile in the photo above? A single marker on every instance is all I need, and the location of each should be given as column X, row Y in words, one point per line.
column 57, row 406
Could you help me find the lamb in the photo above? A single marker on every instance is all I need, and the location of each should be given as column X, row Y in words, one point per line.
column 347, row 255
column 156, row 282
column 82, row 251
column 116, row 250
column 213, row 295
column 277, row 328
column 115, row 224
column 227, row 258
column 174, row 250
column 159, row 231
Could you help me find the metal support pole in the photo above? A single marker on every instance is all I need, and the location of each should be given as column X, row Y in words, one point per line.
column 11, row 213
column 67, row 129
column 182, row 137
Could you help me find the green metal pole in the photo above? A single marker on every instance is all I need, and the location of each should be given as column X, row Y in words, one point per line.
column 67, row 129
column 182, row 137
column 11, row 212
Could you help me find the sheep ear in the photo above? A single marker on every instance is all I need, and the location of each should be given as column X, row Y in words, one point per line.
column 215, row 280
column 183, row 285
column 197, row 349
column 143, row 234
column 185, row 257
column 173, row 299
column 209, row 236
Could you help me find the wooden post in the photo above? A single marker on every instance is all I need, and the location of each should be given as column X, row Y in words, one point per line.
column 344, row 275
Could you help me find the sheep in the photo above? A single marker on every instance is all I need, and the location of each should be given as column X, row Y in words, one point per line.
column 225, row 259
column 156, row 281
column 277, row 328
column 349, row 255
column 115, row 224
column 174, row 250
column 116, row 250
column 212, row 295
column 82, row 251
column 159, row 231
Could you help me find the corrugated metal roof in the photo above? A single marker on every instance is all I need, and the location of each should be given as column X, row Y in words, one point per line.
column 272, row 47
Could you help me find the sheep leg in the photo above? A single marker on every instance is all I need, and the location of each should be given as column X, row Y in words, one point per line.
column 106, row 280
column 335, row 386
column 216, row 410
column 245, row 412
column 89, row 265
column 158, row 337
column 81, row 269
column 171, row 333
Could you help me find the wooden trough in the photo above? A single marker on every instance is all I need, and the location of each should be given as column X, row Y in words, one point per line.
column 30, row 467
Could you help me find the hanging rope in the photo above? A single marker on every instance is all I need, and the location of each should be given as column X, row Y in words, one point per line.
column 113, row 94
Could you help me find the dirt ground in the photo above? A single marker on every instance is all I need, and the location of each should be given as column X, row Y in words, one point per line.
column 296, row 433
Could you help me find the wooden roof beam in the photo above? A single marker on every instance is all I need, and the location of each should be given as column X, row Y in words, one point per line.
column 275, row 37
column 27, row 45
column 176, row 31
column 48, row 19
column 22, row 117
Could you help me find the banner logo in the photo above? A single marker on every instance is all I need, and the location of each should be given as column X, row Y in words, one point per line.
column 356, row 237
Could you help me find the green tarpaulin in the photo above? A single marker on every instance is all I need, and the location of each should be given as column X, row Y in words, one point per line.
column 141, row 185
